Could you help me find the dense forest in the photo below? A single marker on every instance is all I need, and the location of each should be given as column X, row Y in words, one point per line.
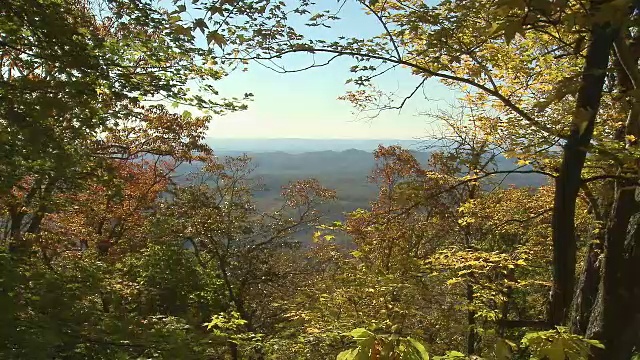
column 105, row 254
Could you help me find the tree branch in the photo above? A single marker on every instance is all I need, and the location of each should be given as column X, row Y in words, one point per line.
column 426, row 71
column 386, row 28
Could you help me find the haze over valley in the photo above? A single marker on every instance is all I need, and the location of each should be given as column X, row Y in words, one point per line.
column 343, row 165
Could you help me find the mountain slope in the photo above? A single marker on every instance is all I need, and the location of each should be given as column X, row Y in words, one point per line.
column 344, row 171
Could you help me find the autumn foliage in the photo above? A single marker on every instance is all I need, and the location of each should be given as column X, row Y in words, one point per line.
column 124, row 236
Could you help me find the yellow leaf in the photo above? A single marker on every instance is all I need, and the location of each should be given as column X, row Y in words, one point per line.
column 216, row 37
column 312, row 330
column 581, row 119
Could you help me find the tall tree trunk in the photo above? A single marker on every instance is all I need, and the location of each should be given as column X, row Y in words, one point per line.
column 569, row 180
column 474, row 188
column 615, row 318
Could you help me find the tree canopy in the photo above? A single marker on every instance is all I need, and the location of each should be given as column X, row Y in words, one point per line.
column 124, row 236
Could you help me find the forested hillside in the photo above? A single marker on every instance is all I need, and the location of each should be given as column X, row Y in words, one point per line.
column 348, row 172
column 124, row 234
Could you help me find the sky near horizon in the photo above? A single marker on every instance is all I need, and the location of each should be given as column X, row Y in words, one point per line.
column 305, row 104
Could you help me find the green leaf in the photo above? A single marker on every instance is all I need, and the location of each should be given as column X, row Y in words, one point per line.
column 555, row 351
column 182, row 30
column 348, row 354
column 455, row 354
column 387, row 349
column 503, row 350
column 596, row 343
column 360, row 333
column 510, row 31
column 495, row 28
column 424, row 355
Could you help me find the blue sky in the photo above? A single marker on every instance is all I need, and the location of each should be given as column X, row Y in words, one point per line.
column 305, row 104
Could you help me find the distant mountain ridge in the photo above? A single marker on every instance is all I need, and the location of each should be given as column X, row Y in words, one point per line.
column 346, row 171
column 325, row 164
column 339, row 166
column 297, row 146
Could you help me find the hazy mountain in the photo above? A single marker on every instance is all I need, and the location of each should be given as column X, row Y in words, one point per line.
column 346, row 171
column 308, row 145
column 279, row 161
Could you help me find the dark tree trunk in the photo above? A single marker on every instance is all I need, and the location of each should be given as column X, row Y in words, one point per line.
column 587, row 290
column 569, row 179
column 15, row 228
column 473, row 335
column 615, row 315
column 36, row 221
column 233, row 349
column 615, row 318
column 471, row 320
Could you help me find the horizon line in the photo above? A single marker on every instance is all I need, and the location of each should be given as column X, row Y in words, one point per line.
column 301, row 138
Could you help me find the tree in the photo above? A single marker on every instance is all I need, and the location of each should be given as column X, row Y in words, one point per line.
column 252, row 251
column 88, row 146
column 83, row 72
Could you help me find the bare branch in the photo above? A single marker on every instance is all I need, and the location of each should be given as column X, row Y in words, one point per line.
column 386, row 28
column 426, row 71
